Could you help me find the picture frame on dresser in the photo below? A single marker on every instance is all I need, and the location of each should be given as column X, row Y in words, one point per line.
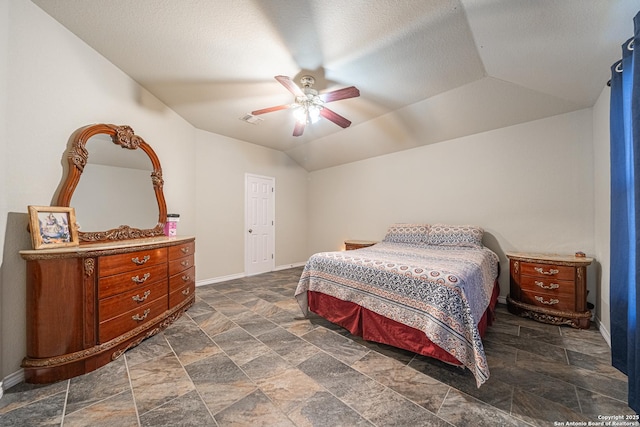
column 52, row 227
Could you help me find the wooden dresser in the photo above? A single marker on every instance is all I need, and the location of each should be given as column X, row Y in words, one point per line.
column 549, row 288
column 350, row 245
column 87, row 305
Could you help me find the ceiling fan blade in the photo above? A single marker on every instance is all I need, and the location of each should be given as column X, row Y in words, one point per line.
column 334, row 117
column 298, row 129
column 271, row 109
column 290, row 85
column 347, row 92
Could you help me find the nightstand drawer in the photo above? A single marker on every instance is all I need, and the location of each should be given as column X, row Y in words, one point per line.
column 560, row 288
column 540, row 299
column 558, row 272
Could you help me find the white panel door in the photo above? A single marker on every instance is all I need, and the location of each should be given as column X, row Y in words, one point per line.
column 259, row 214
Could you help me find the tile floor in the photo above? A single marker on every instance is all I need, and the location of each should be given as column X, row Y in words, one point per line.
column 244, row 356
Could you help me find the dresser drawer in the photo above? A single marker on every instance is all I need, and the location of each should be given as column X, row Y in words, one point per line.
column 558, row 272
column 115, row 264
column 179, row 251
column 180, row 295
column 182, row 279
column 181, row 264
column 117, row 326
column 541, row 299
column 126, row 301
column 560, row 288
column 132, row 280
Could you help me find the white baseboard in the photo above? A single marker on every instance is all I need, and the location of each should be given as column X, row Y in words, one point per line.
column 11, row 380
column 603, row 331
column 287, row 266
column 219, row 279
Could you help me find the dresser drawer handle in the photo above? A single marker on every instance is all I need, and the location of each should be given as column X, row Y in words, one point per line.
column 551, row 271
column 139, row 318
column 138, row 280
column 185, row 263
column 186, row 278
column 139, row 298
column 137, row 261
column 543, row 286
column 185, row 292
column 552, row 301
column 185, row 250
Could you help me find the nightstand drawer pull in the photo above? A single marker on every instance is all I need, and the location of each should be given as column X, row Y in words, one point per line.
column 551, row 271
column 138, row 280
column 552, row 301
column 139, row 298
column 186, row 278
column 139, row 318
column 185, row 263
column 186, row 292
column 137, row 261
column 185, row 250
column 543, row 286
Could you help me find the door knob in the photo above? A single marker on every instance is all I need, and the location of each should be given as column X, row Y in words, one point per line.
column 250, row 230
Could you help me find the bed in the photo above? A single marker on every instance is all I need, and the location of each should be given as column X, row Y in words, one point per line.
column 429, row 289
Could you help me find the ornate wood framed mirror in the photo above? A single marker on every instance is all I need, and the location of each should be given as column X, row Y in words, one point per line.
column 115, row 190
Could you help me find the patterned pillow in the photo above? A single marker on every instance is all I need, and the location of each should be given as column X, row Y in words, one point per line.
column 410, row 234
column 455, row 235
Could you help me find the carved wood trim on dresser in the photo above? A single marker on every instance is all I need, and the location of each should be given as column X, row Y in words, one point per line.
column 549, row 288
column 87, row 305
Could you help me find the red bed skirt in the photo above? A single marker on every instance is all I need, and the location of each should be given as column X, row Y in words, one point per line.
column 374, row 327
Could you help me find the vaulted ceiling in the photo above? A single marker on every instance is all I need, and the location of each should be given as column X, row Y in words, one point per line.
column 427, row 70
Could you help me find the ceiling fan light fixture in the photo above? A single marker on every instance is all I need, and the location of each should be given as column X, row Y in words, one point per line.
column 306, row 114
column 308, row 105
column 300, row 114
column 307, row 109
column 314, row 113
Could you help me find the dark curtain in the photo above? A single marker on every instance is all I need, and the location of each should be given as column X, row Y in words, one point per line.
column 625, row 215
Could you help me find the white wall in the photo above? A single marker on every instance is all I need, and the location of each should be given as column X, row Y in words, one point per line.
column 602, row 202
column 55, row 84
column 222, row 164
column 530, row 186
column 4, row 54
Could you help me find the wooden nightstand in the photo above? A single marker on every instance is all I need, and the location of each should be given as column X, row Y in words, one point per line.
column 357, row 244
column 549, row 288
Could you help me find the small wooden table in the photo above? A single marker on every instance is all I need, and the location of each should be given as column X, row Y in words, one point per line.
column 358, row 244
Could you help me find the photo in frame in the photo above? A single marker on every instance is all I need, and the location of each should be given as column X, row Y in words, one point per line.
column 52, row 227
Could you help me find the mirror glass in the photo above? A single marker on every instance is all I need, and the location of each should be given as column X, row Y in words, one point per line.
column 115, row 188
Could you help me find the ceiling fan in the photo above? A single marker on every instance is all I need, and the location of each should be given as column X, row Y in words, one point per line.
column 309, row 105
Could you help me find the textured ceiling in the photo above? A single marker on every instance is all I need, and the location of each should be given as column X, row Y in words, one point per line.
column 427, row 70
